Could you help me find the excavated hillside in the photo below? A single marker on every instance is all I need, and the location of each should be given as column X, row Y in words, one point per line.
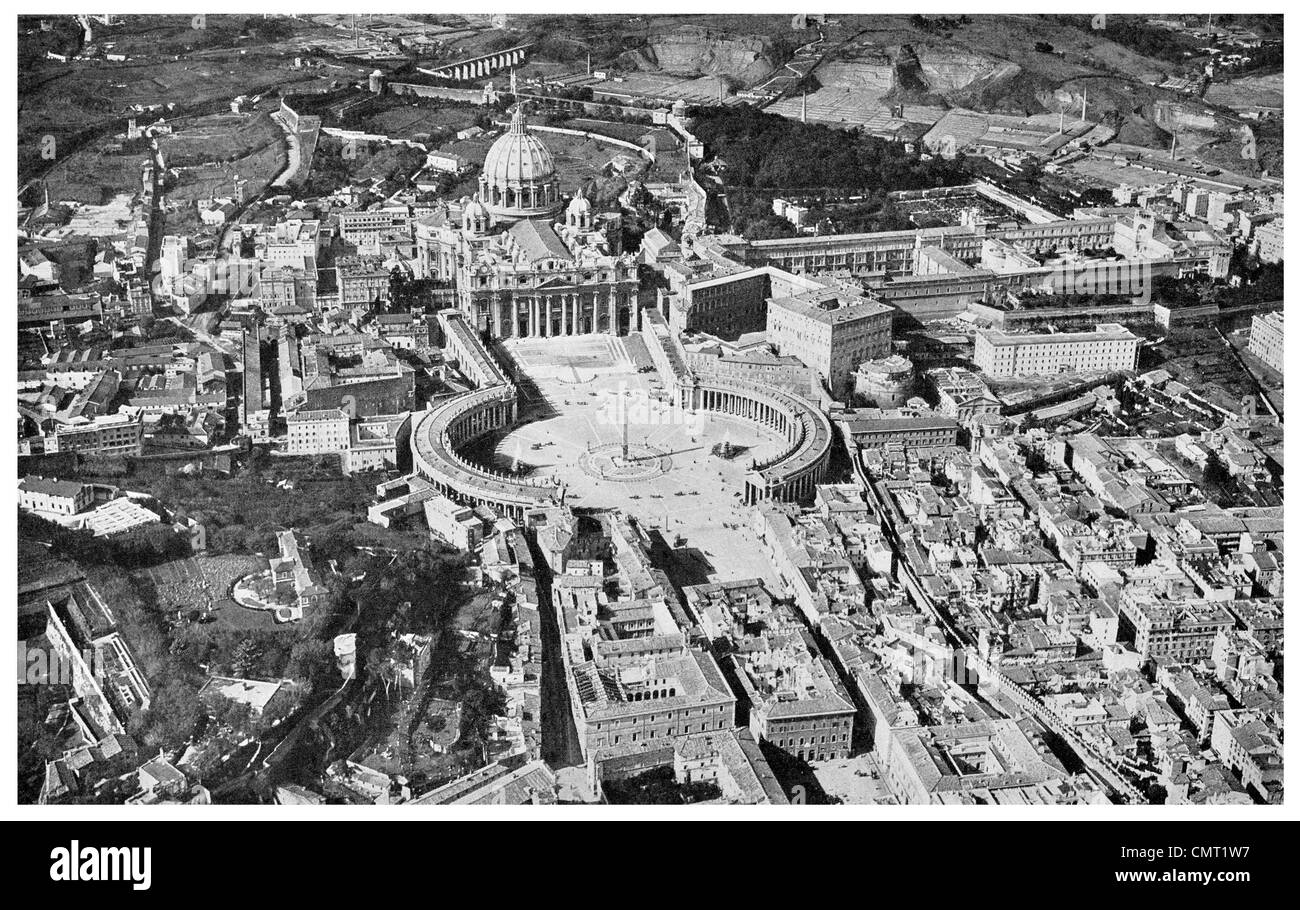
column 945, row 77
column 1015, row 65
column 691, row 52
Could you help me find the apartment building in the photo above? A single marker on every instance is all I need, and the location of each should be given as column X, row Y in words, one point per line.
column 831, row 331
column 1004, row 356
column 109, row 434
column 1267, row 341
column 318, row 432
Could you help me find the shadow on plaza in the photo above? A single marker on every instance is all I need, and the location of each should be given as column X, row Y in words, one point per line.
column 684, row 565
column 792, row 773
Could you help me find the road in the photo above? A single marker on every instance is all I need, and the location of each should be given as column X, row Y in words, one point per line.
column 295, row 152
column 221, row 344
column 560, row 745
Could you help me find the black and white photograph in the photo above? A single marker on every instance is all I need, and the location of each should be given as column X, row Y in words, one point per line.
column 672, row 411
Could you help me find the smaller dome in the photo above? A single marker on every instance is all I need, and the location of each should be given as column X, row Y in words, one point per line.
column 580, row 205
column 474, row 216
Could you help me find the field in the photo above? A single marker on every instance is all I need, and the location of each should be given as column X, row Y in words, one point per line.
column 844, row 104
column 223, row 137
column 1203, row 362
column 691, row 89
column 1248, row 93
column 212, row 152
column 409, row 121
column 331, row 168
column 199, row 582
column 95, row 174
column 82, row 100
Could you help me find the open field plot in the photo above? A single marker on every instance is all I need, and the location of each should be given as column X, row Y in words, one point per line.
column 1247, row 93
column 409, row 122
column 95, row 174
column 1202, row 362
column 110, row 220
column 78, row 102
column 331, row 168
column 578, row 160
column 840, row 105
column 179, row 585
column 691, row 89
column 180, row 33
column 218, row 138
column 1079, row 50
column 199, row 582
column 988, row 64
column 220, row 572
column 212, row 153
column 628, row 132
column 1099, row 169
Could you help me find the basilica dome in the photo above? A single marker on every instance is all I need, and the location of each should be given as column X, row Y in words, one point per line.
column 518, row 179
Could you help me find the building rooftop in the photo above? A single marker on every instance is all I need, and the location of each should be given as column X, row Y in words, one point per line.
column 49, row 486
column 831, row 306
column 1109, row 331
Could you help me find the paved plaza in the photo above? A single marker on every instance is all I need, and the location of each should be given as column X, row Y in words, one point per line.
column 586, row 386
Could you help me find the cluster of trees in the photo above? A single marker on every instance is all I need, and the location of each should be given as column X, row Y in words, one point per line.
column 658, row 787
column 753, row 218
column 405, row 292
column 337, row 164
column 569, row 38
column 1133, row 33
column 1260, row 282
column 764, row 150
column 147, row 546
column 416, row 590
column 271, row 28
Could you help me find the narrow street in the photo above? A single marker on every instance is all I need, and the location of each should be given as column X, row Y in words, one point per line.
column 560, row 747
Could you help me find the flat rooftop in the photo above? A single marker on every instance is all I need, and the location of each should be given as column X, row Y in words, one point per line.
column 1110, row 331
column 831, row 306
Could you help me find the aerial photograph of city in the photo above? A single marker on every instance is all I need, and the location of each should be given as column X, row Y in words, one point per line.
column 716, row 411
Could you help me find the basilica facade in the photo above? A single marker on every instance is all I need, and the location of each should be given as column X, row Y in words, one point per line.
column 524, row 264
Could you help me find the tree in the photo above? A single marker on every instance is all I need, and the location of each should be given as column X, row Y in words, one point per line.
column 173, row 713
column 1215, row 474
column 310, row 660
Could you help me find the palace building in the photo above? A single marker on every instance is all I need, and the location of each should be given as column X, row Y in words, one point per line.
column 519, row 270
